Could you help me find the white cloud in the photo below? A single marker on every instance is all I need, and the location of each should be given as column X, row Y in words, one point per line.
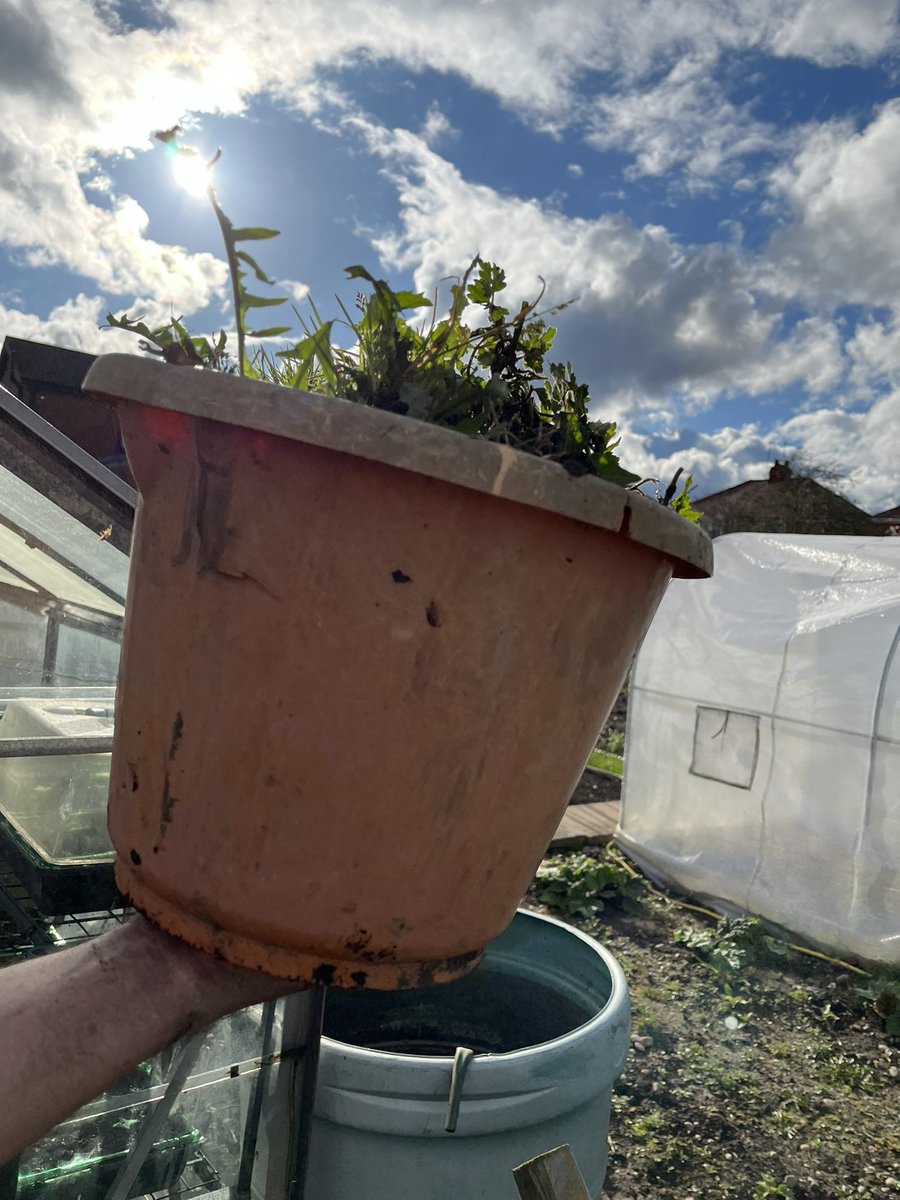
column 437, row 125
column 874, row 351
column 838, row 191
column 74, row 325
column 30, row 61
column 715, row 460
column 78, row 85
column 45, row 211
column 811, row 356
column 296, row 291
column 80, row 91
column 685, row 119
column 651, row 314
column 866, row 445
column 108, row 87
column 835, row 32
column 80, row 324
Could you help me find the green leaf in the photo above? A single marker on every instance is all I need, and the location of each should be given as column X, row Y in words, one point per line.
column 275, row 331
column 359, row 272
column 250, row 301
column 254, row 265
column 406, row 300
column 491, row 279
column 249, row 234
column 682, row 502
column 183, row 335
column 132, row 326
column 314, row 351
column 607, row 467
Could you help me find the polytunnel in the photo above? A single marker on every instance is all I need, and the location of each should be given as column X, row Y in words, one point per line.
column 763, row 766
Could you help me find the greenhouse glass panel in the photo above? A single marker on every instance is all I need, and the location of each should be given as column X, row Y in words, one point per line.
column 34, row 566
column 62, row 536
column 62, row 593
column 23, row 633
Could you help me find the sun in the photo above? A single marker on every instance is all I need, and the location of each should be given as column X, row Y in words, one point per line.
column 190, row 172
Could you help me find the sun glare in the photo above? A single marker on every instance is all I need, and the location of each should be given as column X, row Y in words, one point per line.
column 190, row 173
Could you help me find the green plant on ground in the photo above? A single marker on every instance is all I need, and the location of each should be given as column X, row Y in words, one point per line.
column 732, row 944
column 578, row 885
column 778, row 1049
column 612, row 741
column 487, row 376
column 645, row 1022
column 785, row 1122
column 881, row 993
column 731, row 999
column 768, row 1187
column 601, row 761
column 753, row 1114
column 735, row 1006
column 647, row 1124
column 608, row 753
column 841, row 1070
column 700, row 1063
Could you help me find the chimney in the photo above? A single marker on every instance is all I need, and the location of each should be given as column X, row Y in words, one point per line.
column 780, row 472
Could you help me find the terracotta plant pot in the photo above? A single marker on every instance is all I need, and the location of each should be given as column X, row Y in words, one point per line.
column 365, row 660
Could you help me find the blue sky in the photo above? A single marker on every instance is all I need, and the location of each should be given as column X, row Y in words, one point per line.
column 714, row 183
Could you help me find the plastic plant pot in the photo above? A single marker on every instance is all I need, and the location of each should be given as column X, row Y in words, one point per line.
column 364, row 662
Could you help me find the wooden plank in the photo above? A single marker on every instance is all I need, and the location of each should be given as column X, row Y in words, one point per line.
column 551, row 1176
column 587, row 824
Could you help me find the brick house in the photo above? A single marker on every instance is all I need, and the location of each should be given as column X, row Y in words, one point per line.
column 888, row 522
column 786, row 503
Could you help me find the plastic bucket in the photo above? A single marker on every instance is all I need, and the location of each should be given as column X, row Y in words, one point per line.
column 548, row 1017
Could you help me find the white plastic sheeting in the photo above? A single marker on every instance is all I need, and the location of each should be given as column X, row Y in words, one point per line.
column 763, row 760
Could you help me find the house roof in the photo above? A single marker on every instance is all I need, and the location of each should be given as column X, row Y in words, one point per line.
column 792, row 503
column 738, row 487
column 51, row 367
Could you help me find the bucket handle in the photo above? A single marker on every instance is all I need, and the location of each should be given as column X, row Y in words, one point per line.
column 461, row 1060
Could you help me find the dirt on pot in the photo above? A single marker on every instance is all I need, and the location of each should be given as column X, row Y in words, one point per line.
column 755, row 1071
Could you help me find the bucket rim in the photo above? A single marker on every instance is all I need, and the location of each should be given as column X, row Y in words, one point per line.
column 609, row 1015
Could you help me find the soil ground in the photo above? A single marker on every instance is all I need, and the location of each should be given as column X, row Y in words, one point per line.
column 616, row 721
column 598, row 785
column 755, row 1071
column 594, row 786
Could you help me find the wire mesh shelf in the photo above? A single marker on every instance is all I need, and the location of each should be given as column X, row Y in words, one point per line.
column 25, row 931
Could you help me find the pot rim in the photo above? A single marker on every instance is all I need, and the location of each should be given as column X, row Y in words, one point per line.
column 407, row 443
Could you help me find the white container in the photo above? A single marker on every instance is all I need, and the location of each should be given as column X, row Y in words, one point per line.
column 58, row 801
column 547, row 1014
